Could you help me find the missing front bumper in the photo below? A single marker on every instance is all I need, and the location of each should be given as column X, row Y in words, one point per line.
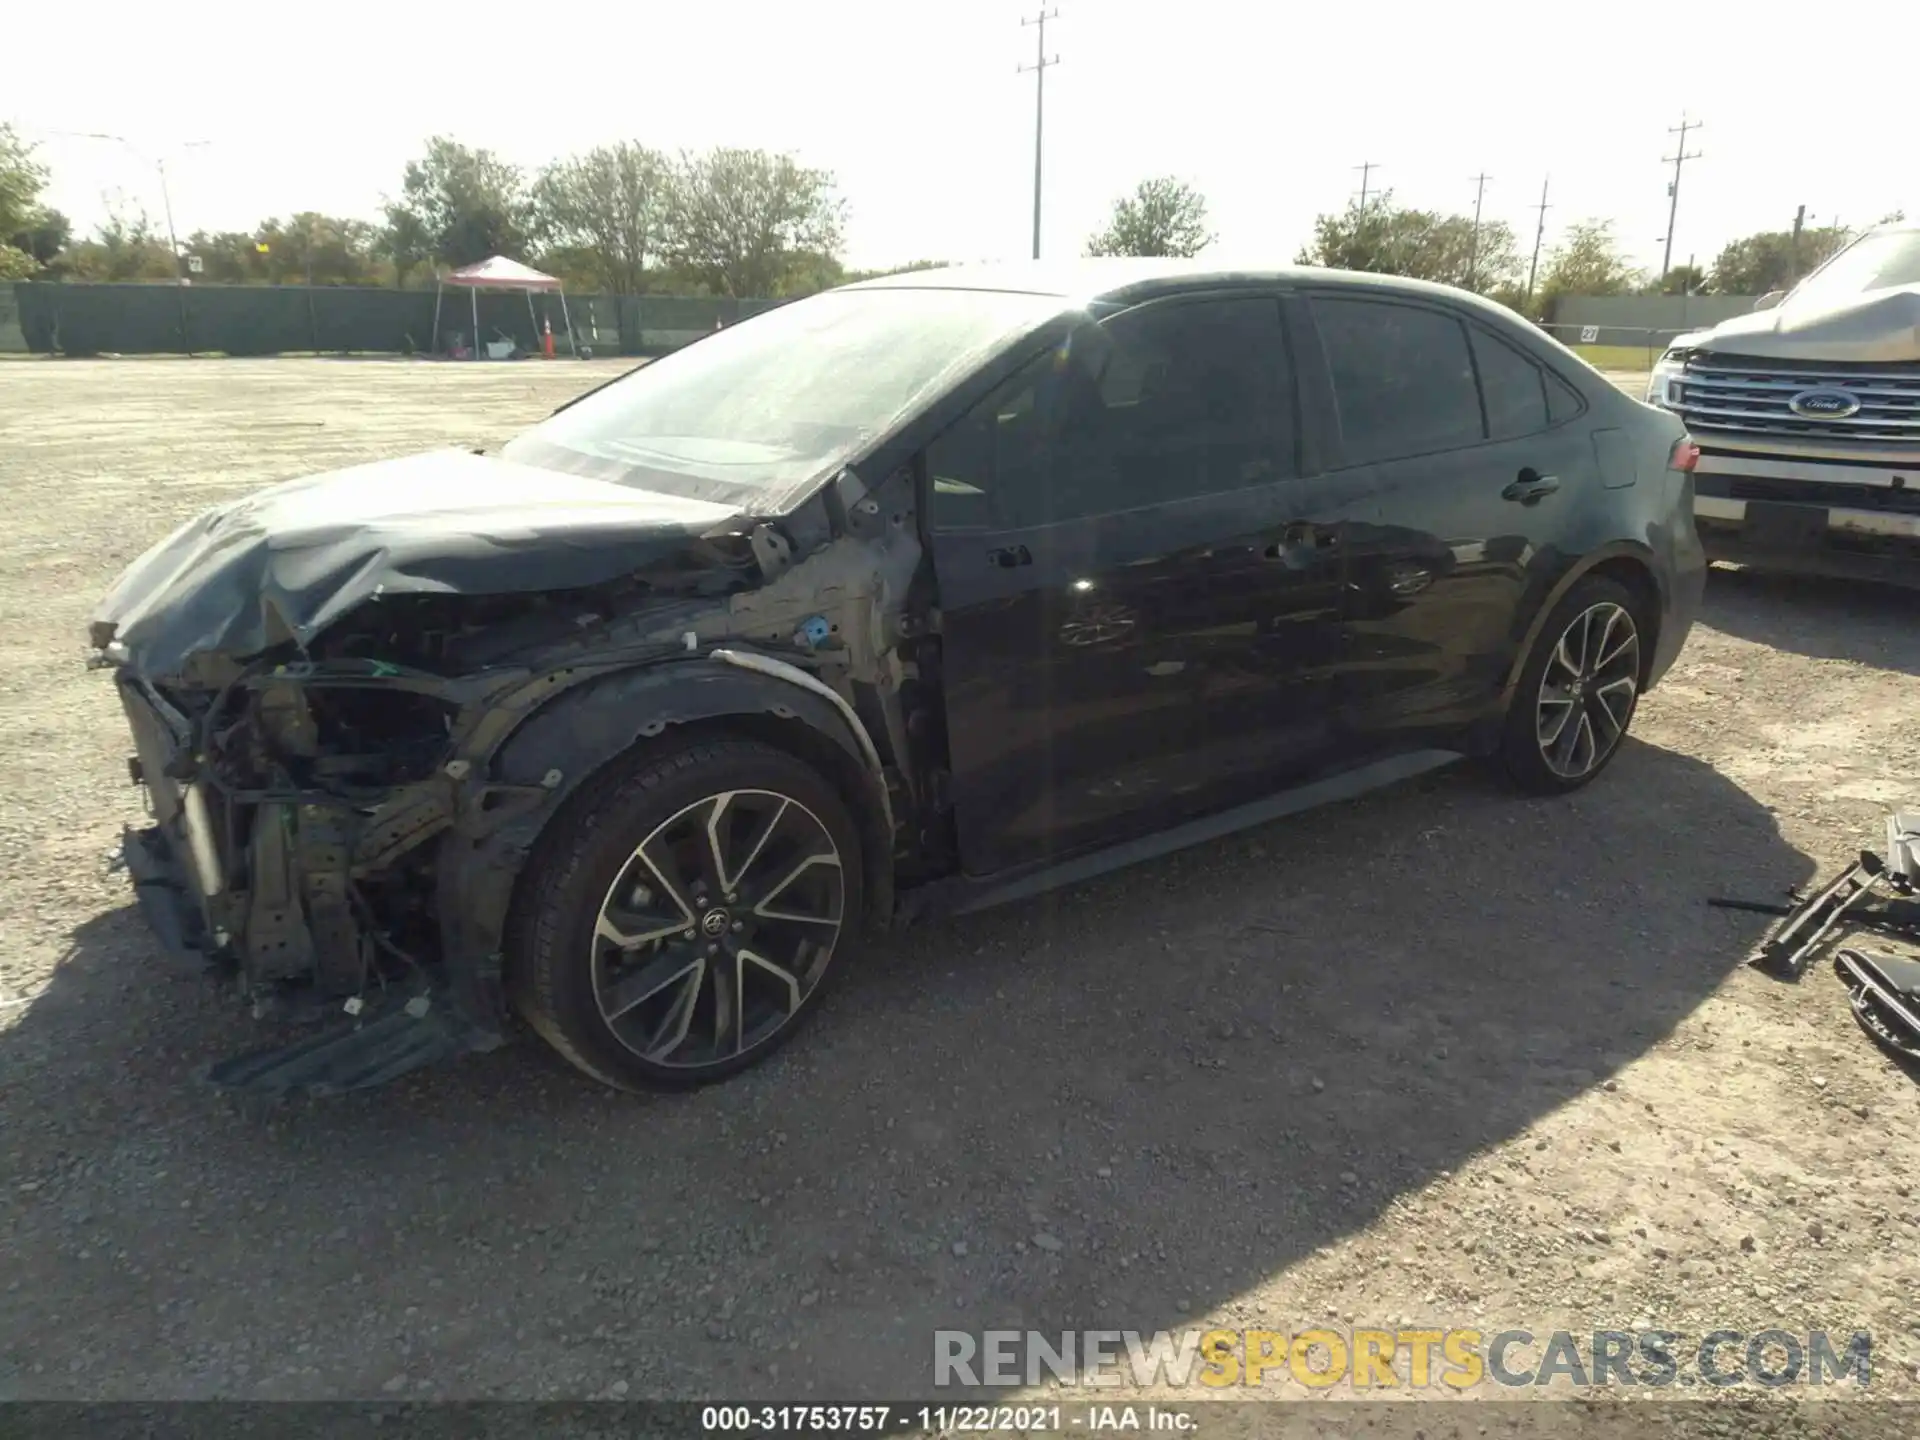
column 166, row 901
column 370, row 1047
column 367, row 1050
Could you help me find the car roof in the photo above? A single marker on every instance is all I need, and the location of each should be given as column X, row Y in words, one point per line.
column 1129, row 279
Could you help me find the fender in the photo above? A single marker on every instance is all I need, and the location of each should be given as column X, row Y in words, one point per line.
column 1614, row 550
column 566, row 742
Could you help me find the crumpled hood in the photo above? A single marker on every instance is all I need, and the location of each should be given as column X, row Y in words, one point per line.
column 289, row 560
column 1879, row 326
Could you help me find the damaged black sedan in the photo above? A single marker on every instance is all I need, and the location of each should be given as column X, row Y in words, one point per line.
column 914, row 596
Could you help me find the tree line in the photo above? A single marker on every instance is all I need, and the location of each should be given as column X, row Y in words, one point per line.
column 628, row 219
column 1587, row 259
column 1166, row 216
column 621, row 218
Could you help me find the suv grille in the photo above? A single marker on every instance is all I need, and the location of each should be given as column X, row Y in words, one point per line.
column 1731, row 393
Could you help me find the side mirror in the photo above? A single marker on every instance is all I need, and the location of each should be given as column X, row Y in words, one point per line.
column 1769, row 300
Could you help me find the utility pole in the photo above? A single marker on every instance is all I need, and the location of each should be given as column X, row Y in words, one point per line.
column 1793, row 269
column 159, row 163
column 1041, row 64
column 1366, row 169
column 1473, row 246
column 1677, row 159
column 166, row 204
column 1539, row 233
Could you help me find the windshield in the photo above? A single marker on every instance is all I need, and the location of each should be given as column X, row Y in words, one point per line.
column 778, row 401
column 1875, row 262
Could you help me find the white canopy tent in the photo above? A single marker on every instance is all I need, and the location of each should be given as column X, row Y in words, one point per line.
column 500, row 273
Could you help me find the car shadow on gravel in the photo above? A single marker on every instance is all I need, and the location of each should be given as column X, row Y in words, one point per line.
column 1119, row 1107
column 1827, row 619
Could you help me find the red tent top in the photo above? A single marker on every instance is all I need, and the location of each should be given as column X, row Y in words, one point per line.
column 500, row 273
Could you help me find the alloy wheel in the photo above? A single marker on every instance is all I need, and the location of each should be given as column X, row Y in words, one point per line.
column 1588, row 690
column 718, row 927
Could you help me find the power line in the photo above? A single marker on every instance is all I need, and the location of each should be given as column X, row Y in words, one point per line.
column 1366, row 169
column 1473, row 247
column 1677, row 159
column 1041, row 64
column 1539, row 233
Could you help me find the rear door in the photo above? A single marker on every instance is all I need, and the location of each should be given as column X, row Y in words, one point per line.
column 1474, row 475
column 1122, row 643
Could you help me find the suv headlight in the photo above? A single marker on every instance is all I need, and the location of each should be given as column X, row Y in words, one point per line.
column 1664, row 388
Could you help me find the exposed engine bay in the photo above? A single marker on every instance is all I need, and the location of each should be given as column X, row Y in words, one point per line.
column 339, row 819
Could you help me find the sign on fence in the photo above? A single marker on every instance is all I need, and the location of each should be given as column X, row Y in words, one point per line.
column 1589, row 334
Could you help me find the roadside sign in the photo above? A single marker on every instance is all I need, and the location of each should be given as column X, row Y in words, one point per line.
column 1589, row 334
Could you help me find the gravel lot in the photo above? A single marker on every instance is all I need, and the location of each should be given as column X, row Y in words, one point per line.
column 1442, row 1056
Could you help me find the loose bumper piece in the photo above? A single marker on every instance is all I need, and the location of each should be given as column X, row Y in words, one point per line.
column 1884, row 991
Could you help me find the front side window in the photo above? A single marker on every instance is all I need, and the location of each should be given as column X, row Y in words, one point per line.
column 1160, row 403
column 1402, row 378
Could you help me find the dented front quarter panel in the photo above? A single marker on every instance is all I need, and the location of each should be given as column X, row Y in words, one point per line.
column 652, row 671
column 555, row 754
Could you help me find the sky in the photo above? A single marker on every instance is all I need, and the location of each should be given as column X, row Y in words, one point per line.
column 916, row 108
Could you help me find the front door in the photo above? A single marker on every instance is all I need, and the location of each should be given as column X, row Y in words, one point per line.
column 1126, row 641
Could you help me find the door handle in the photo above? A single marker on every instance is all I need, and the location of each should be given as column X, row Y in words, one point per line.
column 1531, row 486
column 1009, row 557
column 1298, row 539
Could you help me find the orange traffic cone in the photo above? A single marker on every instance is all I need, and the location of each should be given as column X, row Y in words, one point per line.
column 546, row 340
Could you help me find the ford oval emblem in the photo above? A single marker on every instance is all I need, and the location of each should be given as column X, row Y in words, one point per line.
column 1824, row 404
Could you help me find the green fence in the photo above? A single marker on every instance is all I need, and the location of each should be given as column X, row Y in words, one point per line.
column 10, row 337
column 68, row 319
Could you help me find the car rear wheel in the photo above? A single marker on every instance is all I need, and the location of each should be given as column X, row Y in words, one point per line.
column 679, row 925
column 1578, row 690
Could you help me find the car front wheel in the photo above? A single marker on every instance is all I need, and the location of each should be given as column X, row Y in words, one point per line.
column 1578, row 690
column 678, row 925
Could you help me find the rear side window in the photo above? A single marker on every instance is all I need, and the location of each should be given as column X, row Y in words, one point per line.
column 1563, row 401
column 1402, row 378
column 1514, row 387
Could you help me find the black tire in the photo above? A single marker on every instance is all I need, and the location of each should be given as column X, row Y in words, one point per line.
column 569, row 978
column 1539, row 758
